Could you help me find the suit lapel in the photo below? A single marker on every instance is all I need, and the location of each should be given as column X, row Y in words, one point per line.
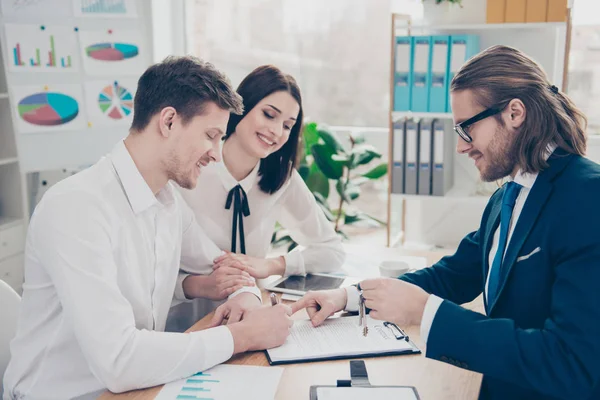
column 491, row 226
column 536, row 200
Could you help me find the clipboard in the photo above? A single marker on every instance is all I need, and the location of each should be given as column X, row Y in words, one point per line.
column 396, row 342
column 360, row 386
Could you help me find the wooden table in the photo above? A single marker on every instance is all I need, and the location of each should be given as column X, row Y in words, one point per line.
column 433, row 379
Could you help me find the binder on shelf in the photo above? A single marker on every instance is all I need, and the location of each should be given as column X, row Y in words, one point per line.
column 425, row 148
column 420, row 73
column 411, row 154
column 443, row 151
column 438, row 92
column 398, row 157
column 536, row 10
column 402, row 76
column 495, row 11
column 557, row 11
column 462, row 47
column 515, row 11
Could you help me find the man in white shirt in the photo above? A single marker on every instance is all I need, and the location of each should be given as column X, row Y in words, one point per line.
column 104, row 248
column 534, row 257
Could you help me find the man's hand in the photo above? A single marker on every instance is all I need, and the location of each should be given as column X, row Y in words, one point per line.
column 263, row 328
column 257, row 267
column 234, row 310
column 321, row 304
column 218, row 285
column 394, row 300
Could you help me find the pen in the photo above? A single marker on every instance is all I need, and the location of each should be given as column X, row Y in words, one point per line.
column 274, row 299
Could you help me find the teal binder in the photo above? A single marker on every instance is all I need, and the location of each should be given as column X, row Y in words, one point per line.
column 462, row 47
column 420, row 73
column 402, row 75
column 440, row 54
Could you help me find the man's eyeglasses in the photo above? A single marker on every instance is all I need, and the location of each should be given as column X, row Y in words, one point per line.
column 461, row 128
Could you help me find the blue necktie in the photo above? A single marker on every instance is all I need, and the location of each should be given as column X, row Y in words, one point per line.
column 508, row 203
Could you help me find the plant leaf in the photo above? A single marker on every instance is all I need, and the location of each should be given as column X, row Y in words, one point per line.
column 304, row 171
column 330, row 140
column 365, row 153
column 377, row 172
column 317, row 182
column 340, row 186
column 310, row 136
column 331, row 168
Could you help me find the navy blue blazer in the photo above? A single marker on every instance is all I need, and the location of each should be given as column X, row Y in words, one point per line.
column 540, row 338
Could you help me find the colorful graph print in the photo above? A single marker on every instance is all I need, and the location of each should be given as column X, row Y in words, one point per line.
column 104, row 8
column 115, row 101
column 111, row 51
column 48, row 109
column 41, row 48
column 197, row 387
column 36, row 8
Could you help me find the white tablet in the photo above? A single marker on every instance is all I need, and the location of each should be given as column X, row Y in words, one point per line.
column 299, row 285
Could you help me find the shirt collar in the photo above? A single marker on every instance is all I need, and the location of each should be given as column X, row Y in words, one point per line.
column 136, row 189
column 526, row 179
column 229, row 182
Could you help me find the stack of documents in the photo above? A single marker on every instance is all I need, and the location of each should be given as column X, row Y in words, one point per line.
column 339, row 338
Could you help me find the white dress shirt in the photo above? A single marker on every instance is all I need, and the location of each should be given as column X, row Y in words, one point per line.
column 434, row 302
column 101, row 267
column 293, row 206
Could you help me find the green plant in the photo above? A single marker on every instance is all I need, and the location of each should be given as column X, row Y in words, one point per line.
column 325, row 159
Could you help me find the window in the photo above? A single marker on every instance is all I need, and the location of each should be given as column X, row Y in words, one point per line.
column 584, row 61
column 338, row 50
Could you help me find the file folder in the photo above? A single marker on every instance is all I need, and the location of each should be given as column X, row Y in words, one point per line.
column 443, row 164
column 411, row 153
column 425, row 158
column 402, row 76
column 398, row 158
column 420, row 73
column 462, row 47
column 438, row 92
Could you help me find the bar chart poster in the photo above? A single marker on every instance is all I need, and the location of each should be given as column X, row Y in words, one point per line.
column 225, row 382
column 47, row 108
column 110, row 102
column 105, row 8
column 41, row 48
column 112, row 52
column 37, row 8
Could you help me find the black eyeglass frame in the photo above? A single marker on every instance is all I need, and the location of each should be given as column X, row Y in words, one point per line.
column 460, row 128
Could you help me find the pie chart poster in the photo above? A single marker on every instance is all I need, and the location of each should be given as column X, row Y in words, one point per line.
column 48, row 108
column 113, row 52
column 110, row 102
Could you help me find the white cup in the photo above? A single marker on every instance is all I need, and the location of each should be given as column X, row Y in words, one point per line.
column 393, row 269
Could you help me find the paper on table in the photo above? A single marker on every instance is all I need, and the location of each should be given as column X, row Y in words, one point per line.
column 361, row 393
column 225, row 382
column 337, row 337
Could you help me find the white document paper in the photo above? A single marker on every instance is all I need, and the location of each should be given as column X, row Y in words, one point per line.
column 361, row 393
column 225, row 382
column 338, row 337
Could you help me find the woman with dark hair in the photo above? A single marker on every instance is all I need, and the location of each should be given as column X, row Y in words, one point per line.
column 239, row 201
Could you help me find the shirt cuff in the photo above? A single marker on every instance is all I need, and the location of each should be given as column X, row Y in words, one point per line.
column 352, row 298
column 294, row 264
column 179, row 293
column 217, row 343
column 431, row 307
column 247, row 289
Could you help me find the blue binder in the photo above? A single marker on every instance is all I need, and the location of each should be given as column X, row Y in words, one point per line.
column 438, row 93
column 420, row 73
column 462, row 47
column 402, row 76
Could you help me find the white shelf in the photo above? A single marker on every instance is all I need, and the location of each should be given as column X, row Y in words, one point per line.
column 6, row 161
column 396, row 115
column 3, row 95
column 472, row 27
column 9, row 222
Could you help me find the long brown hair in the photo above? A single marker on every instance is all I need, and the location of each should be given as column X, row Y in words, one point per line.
column 502, row 73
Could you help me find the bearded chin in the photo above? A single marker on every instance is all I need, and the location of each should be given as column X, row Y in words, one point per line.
column 503, row 159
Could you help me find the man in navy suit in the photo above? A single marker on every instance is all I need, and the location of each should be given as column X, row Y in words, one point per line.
column 535, row 256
